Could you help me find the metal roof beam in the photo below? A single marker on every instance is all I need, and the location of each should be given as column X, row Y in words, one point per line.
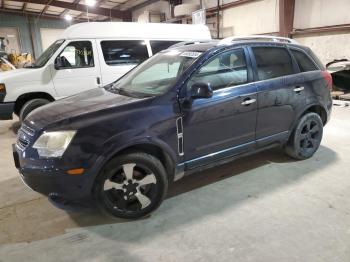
column 124, row 15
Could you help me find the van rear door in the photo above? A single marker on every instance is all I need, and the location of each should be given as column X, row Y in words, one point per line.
column 76, row 68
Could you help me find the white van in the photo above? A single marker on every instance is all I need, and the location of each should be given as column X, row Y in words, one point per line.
column 88, row 55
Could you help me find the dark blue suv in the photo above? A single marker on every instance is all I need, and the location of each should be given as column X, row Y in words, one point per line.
column 190, row 107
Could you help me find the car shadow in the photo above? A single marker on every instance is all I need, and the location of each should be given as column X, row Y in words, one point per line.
column 202, row 194
column 211, row 192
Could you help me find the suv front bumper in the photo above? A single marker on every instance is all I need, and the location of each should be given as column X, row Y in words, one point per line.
column 6, row 110
column 51, row 181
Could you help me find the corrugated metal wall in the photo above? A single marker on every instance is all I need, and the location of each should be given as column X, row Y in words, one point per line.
column 22, row 23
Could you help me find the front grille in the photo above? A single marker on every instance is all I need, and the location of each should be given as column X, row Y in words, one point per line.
column 23, row 142
column 28, row 130
column 24, row 136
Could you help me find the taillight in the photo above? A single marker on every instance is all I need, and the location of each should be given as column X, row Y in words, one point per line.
column 328, row 78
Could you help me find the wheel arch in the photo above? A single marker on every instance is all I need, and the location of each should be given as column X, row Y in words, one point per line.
column 318, row 109
column 24, row 98
column 313, row 108
column 155, row 149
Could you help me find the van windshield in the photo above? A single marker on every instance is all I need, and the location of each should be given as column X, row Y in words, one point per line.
column 42, row 60
column 156, row 75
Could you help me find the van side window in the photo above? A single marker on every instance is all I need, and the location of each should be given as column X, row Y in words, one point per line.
column 224, row 70
column 124, row 52
column 77, row 54
column 158, row 46
column 304, row 62
column 272, row 62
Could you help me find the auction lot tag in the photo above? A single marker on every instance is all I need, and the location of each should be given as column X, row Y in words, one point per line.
column 191, row 54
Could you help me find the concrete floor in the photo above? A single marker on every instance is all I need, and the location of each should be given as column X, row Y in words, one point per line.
column 265, row 207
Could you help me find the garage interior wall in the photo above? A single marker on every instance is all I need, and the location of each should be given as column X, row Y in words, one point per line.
column 12, row 35
column 320, row 13
column 243, row 20
column 27, row 24
column 48, row 36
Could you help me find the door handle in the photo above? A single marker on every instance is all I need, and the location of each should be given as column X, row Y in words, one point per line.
column 298, row 89
column 98, row 80
column 248, row 102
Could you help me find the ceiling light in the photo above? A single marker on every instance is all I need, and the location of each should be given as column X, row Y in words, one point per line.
column 68, row 17
column 90, row 2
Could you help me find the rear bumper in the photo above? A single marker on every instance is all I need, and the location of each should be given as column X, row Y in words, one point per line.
column 6, row 110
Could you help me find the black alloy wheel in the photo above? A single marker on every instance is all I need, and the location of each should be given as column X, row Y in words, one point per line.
column 131, row 186
column 306, row 138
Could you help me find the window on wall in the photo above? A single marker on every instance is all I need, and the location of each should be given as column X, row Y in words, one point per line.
column 77, row 54
column 158, row 46
column 304, row 62
column 272, row 62
column 124, row 52
column 225, row 70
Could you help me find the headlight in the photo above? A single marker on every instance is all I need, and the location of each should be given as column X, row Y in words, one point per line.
column 53, row 144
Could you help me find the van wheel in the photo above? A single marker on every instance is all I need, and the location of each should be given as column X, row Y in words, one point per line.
column 131, row 186
column 30, row 106
column 306, row 138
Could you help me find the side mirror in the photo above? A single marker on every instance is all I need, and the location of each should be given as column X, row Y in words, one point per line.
column 61, row 62
column 201, row 90
column 58, row 63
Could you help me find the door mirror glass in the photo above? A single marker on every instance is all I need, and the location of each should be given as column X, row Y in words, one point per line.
column 201, row 90
column 61, row 62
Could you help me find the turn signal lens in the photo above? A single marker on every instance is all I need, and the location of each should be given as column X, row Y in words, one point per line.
column 2, row 88
column 77, row 171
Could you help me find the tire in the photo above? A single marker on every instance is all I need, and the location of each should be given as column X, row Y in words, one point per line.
column 130, row 186
column 30, row 106
column 306, row 138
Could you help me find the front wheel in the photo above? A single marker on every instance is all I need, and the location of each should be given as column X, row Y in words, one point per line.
column 131, row 186
column 306, row 138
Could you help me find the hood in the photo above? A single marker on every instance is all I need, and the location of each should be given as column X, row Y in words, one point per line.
column 63, row 111
column 20, row 75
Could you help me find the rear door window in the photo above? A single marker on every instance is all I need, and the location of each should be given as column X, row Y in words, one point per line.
column 304, row 62
column 158, row 46
column 272, row 62
column 124, row 52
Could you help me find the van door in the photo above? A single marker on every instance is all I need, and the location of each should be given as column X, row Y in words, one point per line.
column 118, row 57
column 78, row 68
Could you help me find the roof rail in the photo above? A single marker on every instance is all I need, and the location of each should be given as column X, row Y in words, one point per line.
column 189, row 43
column 231, row 39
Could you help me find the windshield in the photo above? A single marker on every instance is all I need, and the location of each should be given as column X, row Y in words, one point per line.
column 42, row 60
column 156, row 75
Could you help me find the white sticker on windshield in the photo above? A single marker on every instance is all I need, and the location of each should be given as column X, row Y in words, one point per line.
column 191, row 54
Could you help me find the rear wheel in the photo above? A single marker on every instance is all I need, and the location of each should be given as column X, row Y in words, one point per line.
column 30, row 106
column 131, row 186
column 306, row 138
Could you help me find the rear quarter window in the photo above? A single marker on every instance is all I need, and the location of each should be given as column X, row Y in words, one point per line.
column 304, row 62
column 272, row 62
